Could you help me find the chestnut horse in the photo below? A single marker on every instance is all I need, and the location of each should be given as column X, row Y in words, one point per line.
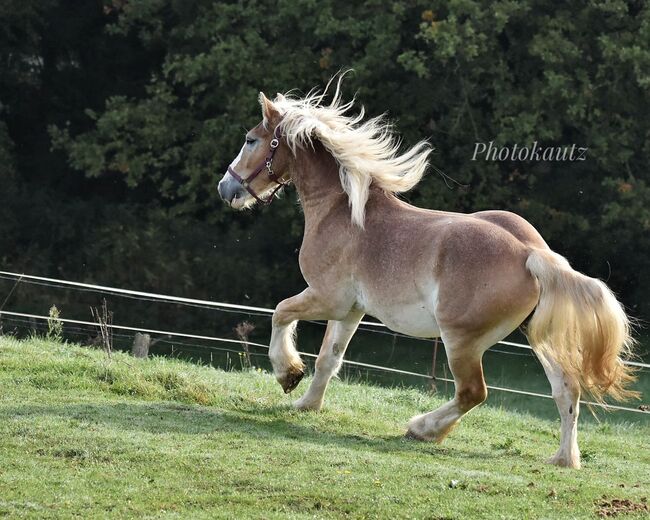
column 470, row 279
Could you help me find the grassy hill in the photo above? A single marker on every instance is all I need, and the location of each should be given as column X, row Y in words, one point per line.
column 85, row 436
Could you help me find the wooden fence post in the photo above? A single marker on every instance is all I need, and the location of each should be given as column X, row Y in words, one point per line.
column 141, row 344
column 434, row 388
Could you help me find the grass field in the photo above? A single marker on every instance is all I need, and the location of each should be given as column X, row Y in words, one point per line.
column 84, row 436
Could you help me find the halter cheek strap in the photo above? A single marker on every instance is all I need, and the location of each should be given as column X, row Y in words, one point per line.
column 268, row 164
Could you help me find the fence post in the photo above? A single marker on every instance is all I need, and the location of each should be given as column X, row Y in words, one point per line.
column 141, row 344
column 434, row 388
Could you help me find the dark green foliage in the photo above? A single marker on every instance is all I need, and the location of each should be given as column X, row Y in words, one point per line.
column 8, row 192
column 145, row 104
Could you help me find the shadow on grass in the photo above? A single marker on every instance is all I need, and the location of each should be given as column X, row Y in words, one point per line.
column 262, row 422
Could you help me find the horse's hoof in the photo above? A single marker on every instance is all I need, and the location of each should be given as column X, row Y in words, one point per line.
column 305, row 406
column 565, row 462
column 291, row 381
column 412, row 436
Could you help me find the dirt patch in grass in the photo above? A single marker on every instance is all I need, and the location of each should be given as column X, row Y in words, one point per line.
column 616, row 506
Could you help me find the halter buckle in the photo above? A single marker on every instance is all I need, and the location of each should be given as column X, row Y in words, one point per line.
column 274, row 143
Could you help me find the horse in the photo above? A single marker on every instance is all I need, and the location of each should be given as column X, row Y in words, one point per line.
column 469, row 279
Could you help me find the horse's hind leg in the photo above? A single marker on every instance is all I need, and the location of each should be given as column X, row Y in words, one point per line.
column 566, row 394
column 330, row 357
column 466, row 367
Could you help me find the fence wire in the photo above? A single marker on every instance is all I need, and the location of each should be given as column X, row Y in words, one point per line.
column 207, row 304
column 307, row 354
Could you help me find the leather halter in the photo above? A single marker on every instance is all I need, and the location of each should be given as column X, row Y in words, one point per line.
column 268, row 164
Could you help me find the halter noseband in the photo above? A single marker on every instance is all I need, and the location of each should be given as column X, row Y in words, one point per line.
column 268, row 164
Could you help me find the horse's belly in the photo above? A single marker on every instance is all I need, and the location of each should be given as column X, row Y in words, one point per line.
column 412, row 318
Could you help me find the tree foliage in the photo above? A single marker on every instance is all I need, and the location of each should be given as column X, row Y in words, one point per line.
column 146, row 104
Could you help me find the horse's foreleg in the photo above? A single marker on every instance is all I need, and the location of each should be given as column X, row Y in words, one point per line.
column 471, row 391
column 287, row 365
column 566, row 394
column 336, row 340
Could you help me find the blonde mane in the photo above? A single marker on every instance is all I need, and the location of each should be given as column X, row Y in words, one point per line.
column 367, row 152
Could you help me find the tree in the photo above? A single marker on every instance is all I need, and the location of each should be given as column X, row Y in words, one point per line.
column 146, row 102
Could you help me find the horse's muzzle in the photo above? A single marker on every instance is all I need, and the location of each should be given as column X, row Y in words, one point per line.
column 229, row 189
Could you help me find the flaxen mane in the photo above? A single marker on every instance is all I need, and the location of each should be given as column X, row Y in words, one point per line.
column 367, row 152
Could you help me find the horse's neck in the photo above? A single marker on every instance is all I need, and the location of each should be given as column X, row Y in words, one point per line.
column 316, row 177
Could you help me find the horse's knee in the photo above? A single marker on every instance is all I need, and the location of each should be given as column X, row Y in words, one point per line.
column 281, row 316
column 328, row 363
column 471, row 395
column 323, row 363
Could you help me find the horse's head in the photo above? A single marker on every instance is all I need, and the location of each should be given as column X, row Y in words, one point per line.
column 261, row 168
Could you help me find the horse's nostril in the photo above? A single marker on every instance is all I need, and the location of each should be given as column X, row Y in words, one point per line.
column 229, row 190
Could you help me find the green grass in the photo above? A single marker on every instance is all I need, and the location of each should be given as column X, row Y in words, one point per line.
column 85, row 437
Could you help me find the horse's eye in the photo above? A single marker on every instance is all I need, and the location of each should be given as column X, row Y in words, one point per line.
column 250, row 140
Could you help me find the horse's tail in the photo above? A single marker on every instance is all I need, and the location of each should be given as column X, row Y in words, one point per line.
column 579, row 324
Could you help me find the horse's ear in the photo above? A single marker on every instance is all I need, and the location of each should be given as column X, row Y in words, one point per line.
column 269, row 112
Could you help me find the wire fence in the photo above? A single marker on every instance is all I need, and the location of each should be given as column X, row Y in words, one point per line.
column 174, row 334
column 369, row 326
column 207, row 304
